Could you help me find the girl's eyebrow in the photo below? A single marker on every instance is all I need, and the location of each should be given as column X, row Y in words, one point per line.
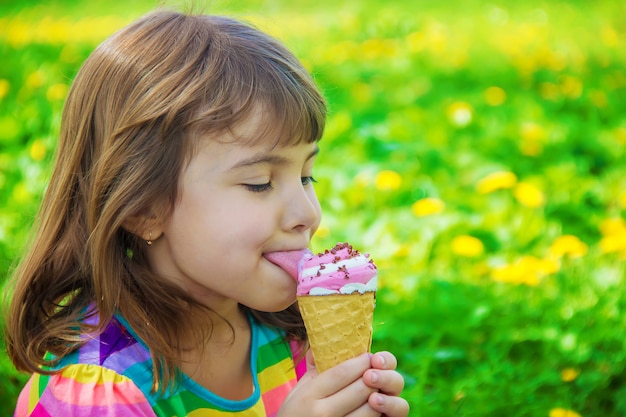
column 264, row 158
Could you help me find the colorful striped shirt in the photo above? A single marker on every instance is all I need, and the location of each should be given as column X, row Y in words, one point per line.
column 111, row 375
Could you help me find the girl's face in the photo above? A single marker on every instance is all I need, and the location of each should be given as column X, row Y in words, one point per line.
column 236, row 203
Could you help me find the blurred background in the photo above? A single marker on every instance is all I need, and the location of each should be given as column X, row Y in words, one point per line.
column 475, row 148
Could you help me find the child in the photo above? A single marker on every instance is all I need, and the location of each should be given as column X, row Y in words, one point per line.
column 186, row 154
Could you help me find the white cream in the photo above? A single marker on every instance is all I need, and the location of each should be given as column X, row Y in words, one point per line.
column 348, row 288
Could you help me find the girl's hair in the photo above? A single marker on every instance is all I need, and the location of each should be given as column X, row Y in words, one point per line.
column 130, row 124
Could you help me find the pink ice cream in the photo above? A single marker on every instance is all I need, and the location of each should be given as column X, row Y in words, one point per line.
column 340, row 270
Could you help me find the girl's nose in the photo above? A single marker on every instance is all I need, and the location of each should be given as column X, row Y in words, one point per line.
column 303, row 210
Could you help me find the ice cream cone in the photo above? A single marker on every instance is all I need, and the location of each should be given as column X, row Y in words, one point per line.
column 339, row 326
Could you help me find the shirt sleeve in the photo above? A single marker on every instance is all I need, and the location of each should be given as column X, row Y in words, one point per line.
column 85, row 391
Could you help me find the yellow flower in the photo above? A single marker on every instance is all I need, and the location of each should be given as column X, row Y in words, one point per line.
column 38, row 150
column 569, row 374
column 495, row 96
column 529, row 195
column 57, row 92
column 613, row 243
column 35, row 79
column 427, row 207
column 4, row 88
column 532, row 135
column 532, row 131
column 527, row 270
column 496, row 181
column 322, row 231
column 374, row 49
column 388, row 180
column 571, row 87
column 568, row 245
column 459, row 113
column 613, row 227
column 415, row 41
column 562, row 412
column 609, row 36
column 21, row 194
column 467, row 246
column 362, row 93
column 402, row 252
column 549, row 266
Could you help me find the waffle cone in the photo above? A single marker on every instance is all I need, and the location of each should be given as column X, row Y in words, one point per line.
column 339, row 326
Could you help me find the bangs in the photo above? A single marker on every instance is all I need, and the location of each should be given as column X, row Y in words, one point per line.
column 257, row 76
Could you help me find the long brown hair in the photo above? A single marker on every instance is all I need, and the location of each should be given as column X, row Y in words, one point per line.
column 132, row 116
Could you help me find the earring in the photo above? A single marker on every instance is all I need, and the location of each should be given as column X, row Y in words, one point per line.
column 149, row 241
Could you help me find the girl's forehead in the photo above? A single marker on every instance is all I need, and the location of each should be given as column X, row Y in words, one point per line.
column 265, row 127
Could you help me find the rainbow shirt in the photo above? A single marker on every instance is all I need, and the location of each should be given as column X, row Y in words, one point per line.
column 111, row 375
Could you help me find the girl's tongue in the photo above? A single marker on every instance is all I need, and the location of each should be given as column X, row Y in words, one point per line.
column 290, row 261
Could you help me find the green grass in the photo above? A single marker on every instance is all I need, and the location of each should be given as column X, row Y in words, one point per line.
column 475, row 149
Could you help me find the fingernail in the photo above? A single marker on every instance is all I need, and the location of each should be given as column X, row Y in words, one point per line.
column 380, row 400
column 374, row 377
column 382, row 360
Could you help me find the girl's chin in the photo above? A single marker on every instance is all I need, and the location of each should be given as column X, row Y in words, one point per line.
column 276, row 306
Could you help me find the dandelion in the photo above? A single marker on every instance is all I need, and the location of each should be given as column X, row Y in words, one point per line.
column 388, row 180
column 4, row 88
column 609, row 36
column 528, row 270
column 402, row 252
column 38, row 150
column 415, row 41
column 374, row 49
column 57, row 92
column 529, row 195
column 496, row 181
column 613, row 235
column 427, row 207
column 467, row 246
column 495, row 96
column 531, row 131
column 322, row 231
column 571, row 87
column 569, row 374
column 459, row 113
column 35, row 79
column 568, row 245
column 613, row 244
column 21, row 194
column 532, row 136
column 613, row 227
column 562, row 412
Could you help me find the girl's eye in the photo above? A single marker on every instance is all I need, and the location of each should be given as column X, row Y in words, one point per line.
column 308, row 180
column 259, row 188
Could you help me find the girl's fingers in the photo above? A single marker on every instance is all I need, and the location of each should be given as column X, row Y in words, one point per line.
column 365, row 410
column 388, row 405
column 352, row 400
column 388, row 382
column 339, row 377
column 384, row 360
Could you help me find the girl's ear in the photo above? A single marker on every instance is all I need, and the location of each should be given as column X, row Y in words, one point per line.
column 147, row 228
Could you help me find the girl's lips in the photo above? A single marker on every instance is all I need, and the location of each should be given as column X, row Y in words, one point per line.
column 290, row 260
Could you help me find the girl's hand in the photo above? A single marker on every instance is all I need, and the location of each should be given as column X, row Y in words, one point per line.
column 337, row 392
column 388, row 383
